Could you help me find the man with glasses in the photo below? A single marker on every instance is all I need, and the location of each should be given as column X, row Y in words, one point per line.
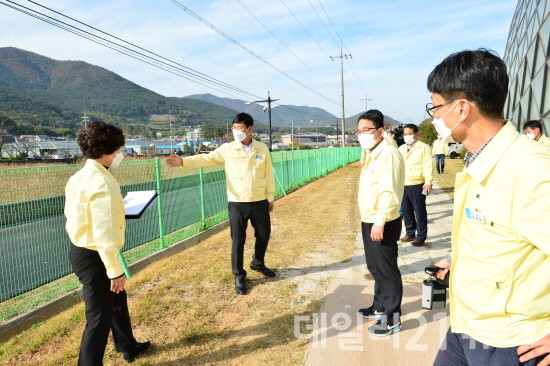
column 380, row 193
column 499, row 283
column 250, row 192
column 419, row 167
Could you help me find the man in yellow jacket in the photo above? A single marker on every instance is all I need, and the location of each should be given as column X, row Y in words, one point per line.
column 419, row 167
column 380, row 193
column 250, row 192
column 499, row 284
column 533, row 130
column 439, row 150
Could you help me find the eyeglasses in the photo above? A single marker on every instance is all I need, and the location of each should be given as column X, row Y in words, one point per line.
column 365, row 130
column 430, row 108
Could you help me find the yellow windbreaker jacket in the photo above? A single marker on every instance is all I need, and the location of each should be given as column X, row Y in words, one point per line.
column 95, row 214
column 249, row 177
column 419, row 164
column 500, row 282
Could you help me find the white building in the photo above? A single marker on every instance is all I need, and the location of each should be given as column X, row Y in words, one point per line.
column 195, row 135
column 45, row 149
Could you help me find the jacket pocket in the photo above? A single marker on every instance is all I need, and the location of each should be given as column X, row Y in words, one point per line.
column 483, row 287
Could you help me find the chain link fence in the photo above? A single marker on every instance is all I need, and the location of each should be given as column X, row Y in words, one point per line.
column 34, row 246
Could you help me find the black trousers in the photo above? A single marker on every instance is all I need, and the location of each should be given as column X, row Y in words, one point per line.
column 105, row 310
column 440, row 162
column 239, row 214
column 414, row 212
column 462, row 350
column 381, row 259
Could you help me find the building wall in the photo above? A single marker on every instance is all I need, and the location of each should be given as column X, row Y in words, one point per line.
column 527, row 57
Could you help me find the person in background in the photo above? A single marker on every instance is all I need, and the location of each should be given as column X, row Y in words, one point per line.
column 439, row 150
column 419, row 167
column 95, row 223
column 499, row 285
column 380, row 192
column 390, row 135
column 250, row 192
column 533, row 130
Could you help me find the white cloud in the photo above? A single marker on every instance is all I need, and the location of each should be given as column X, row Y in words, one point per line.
column 394, row 45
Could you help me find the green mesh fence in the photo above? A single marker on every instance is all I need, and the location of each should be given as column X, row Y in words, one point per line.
column 34, row 245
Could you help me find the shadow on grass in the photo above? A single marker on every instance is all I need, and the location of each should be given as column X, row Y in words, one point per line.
column 276, row 332
column 290, row 272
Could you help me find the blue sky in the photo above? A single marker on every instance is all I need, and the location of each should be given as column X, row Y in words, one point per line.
column 394, row 44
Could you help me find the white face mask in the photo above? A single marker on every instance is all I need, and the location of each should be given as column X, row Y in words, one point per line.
column 442, row 130
column 530, row 135
column 409, row 139
column 239, row 135
column 367, row 141
column 117, row 160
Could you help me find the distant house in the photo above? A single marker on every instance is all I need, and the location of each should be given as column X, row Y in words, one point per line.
column 45, row 149
column 34, row 138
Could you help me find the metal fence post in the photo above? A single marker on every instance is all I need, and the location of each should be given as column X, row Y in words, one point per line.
column 283, row 169
column 307, row 165
column 302, row 180
column 201, row 185
column 159, row 203
column 292, row 169
column 276, row 176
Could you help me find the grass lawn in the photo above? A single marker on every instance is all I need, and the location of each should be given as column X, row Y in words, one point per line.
column 186, row 305
column 446, row 181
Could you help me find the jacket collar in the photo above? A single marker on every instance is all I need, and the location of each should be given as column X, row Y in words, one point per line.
column 490, row 156
column 376, row 152
column 91, row 163
column 237, row 145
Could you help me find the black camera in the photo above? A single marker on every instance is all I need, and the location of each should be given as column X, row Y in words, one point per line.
column 434, row 290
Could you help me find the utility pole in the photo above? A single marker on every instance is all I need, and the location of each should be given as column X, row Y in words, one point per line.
column 366, row 102
column 268, row 108
column 341, row 57
column 85, row 118
column 171, row 139
column 292, row 135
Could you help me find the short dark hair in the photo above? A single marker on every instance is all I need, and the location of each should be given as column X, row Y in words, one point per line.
column 412, row 126
column 479, row 76
column 373, row 115
column 98, row 139
column 244, row 118
column 533, row 124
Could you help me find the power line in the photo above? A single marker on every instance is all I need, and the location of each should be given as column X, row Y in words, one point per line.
column 304, row 28
column 179, row 70
column 233, row 40
column 323, row 23
column 342, row 43
column 335, row 31
column 288, row 108
column 282, row 43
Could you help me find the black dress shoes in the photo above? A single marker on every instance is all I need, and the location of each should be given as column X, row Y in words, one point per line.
column 129, row 356
column 240, row 286
column 262, row 269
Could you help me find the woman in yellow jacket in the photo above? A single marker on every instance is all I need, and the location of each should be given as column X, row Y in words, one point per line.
column 95, row 224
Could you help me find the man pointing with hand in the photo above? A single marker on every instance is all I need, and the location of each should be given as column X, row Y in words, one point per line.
column 250, row 192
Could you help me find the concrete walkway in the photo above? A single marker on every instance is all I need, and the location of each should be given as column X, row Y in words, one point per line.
column 340, row 336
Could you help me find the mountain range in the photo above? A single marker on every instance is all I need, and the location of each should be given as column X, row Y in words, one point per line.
column 47, row 96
